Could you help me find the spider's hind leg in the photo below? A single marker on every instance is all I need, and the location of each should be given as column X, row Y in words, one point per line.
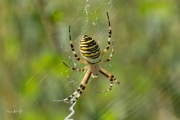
column 72, row 49
column 109, row 37
column 111, row 55
column 76, row 69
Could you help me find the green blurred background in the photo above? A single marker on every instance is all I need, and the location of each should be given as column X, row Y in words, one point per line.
column 34, row 42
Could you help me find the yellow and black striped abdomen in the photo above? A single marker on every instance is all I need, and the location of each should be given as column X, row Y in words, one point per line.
column 89, row 49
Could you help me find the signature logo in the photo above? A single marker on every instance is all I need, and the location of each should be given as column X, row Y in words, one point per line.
column 15, row 110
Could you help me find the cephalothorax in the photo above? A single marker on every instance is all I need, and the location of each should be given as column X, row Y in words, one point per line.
column 92, row 55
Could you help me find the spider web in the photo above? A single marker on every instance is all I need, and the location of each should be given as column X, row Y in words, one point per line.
column 34, row 42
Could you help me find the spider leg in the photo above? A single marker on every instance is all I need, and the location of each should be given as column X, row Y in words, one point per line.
column 111, row 55
column 110, row 77
column 72, row 98
column 74, row 52
column 75, row 69
column 109, row 37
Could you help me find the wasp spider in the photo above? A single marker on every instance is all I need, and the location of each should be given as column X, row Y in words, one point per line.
column 92, row 55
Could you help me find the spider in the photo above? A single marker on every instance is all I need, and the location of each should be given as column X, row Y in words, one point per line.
column 92, row 55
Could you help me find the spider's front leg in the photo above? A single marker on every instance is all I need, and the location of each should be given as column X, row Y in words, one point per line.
column 110, row 77
column 72, row 98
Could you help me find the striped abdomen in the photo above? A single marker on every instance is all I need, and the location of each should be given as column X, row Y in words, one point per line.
column 89, row 49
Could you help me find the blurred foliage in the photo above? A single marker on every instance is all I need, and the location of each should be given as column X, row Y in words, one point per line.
column 34, row 42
